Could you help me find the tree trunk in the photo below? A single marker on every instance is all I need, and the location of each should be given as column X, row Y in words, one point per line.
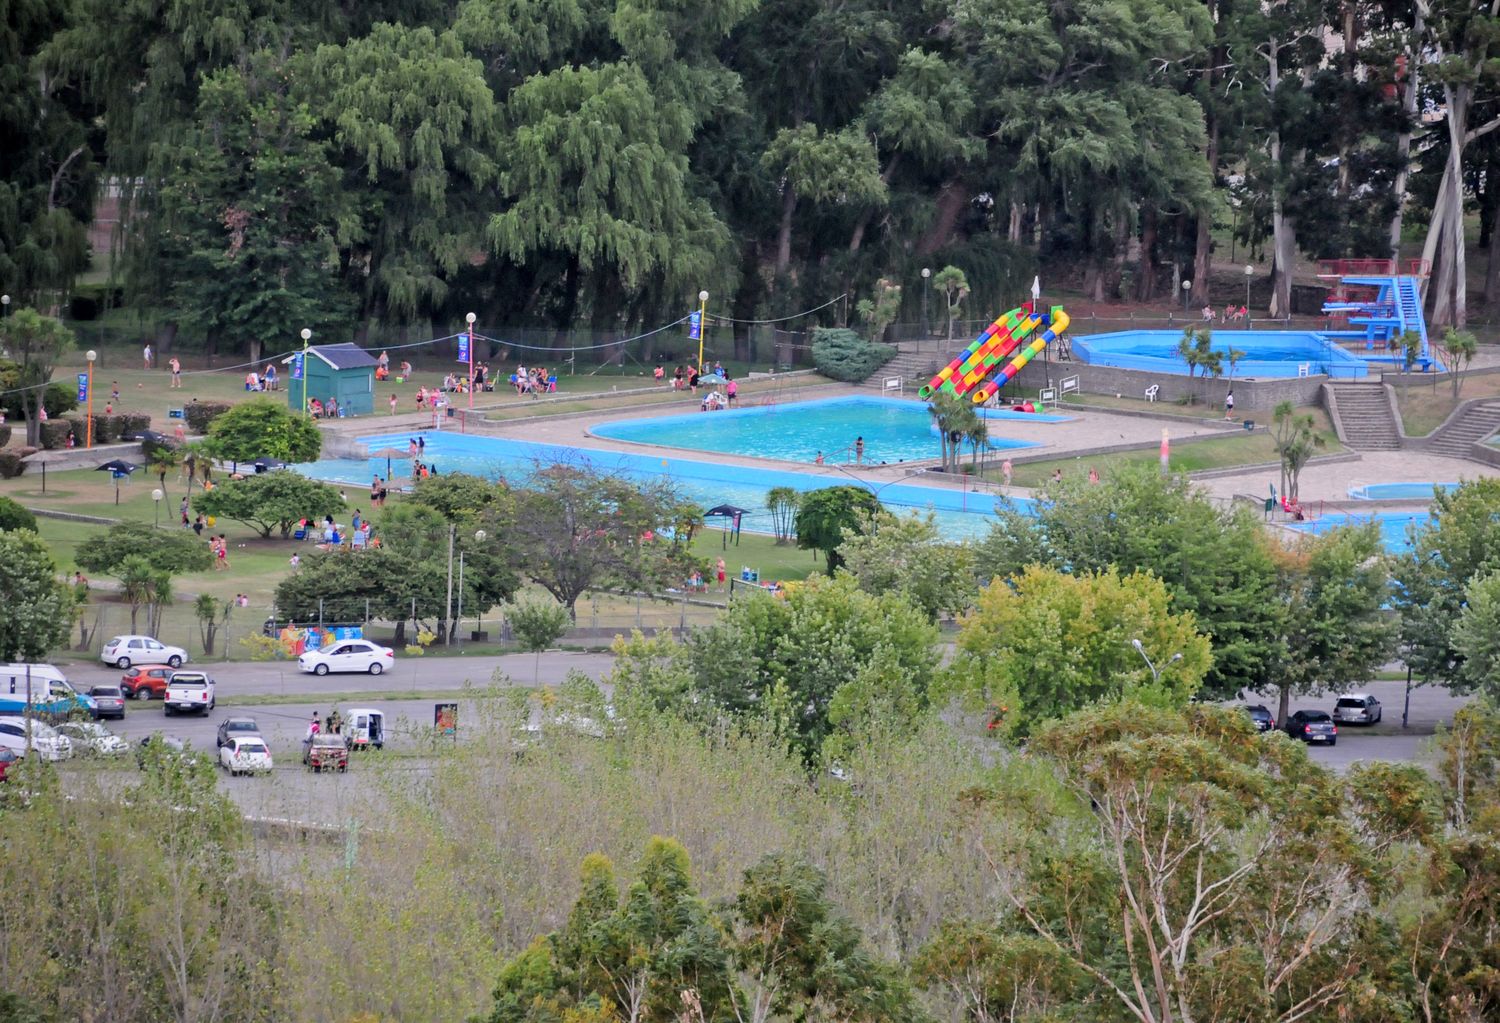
column 166, row 336
column 863, row 223
column 745, row 298
column 1458, row 111
column 951, row 200
column 784, row 231
column 1283, row 235
column 1145, row 283
column 1492, row 265
column 1403, row 142
column 1203, row 244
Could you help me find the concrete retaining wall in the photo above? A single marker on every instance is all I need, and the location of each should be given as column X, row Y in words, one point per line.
column 1250, row 394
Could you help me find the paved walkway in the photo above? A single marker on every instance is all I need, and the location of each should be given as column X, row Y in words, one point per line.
column 1329, row 483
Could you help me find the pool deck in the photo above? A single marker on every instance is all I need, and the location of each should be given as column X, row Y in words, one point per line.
column 1328, row 484
column 1084, row 432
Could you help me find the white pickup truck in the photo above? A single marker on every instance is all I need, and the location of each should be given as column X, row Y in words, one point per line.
column 189, row 692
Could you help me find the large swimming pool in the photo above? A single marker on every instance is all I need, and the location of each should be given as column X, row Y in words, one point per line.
column 959, row 513
column 894, row 430
column 1268, row 353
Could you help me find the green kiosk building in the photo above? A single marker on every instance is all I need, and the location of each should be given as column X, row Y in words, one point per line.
column 345, row 372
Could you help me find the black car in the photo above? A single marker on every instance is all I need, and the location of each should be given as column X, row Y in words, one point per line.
column 235, row 726
column 109, row 701
column 1313, row 726
column 1261, row 718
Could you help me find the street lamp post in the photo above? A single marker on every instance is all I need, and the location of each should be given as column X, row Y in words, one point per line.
column 306, row 337
column 1187, row 288
column 1155, row 675
column 926, row 279
column 88, row 429
column 5, row 303
column 702, row 326
column 1249, row 273
column 471, row 318
column 157, row 495
column 479, row 536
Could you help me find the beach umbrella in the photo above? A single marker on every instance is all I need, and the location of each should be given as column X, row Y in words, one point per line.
column 42, row 458
column 388, row 454
column 712, row 379
column 730, row 512
column 118, row 467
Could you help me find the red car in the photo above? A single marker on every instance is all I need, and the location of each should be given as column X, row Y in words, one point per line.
column 8, row 759
column 146, row 681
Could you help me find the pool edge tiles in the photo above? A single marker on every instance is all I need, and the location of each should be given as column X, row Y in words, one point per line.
column 736, row 432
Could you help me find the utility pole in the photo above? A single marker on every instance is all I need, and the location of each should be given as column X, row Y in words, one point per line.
column 448, row 615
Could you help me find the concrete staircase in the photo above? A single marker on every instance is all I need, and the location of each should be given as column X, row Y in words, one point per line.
column 914, row 367
column 1363, row 413
column 1455, row 439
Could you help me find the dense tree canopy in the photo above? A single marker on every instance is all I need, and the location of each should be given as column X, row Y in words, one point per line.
column 599, row 161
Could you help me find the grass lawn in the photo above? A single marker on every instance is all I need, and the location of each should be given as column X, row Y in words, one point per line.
column 1425, row 406
column 1188, row 456
column 774, row 562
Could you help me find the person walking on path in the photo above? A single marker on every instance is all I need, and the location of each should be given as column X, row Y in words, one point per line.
column 1007, row 470
column 1229, row 405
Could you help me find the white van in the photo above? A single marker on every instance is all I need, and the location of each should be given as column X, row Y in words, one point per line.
column 50, row 692
column 13, row 679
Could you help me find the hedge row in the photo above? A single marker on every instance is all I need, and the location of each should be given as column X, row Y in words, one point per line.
column 200, row 413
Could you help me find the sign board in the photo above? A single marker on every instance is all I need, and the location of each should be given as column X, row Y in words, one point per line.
column 695, row 326
column 176, row 413
column 1047, row 395
column 83, row 387
column 297, row 366
column 445, row 718
column 1069, row 384
column 463, row 348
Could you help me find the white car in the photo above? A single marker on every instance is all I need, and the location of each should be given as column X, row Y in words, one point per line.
column 348, row 655
column 245, row 754
column 93, row 739
column 1357, row 709
column 46, row 741
column 123, row 651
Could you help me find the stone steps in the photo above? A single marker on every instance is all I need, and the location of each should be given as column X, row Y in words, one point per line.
column 1457, row 438
column 1363, row 411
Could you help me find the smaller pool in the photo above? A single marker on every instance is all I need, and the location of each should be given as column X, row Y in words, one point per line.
column 1395, row 528
column 1398, row 491
column 1268, row 353
column 894, row 430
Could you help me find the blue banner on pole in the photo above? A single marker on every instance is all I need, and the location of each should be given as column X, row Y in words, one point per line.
column 297, row 366
column 695, row 326
column 463, row 348
column 83, row 387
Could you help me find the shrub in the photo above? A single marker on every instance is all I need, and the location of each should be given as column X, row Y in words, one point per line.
column 54, row 433
column 4, row 435
column 841, row 354
column 14, row 516
column 11, row 465
column 133, row 424
column 59, row 399
column 200, row 413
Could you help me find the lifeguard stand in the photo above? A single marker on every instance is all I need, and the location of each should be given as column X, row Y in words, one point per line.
column 1377, row 301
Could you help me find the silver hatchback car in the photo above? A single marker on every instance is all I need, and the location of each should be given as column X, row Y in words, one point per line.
column 1356, row 709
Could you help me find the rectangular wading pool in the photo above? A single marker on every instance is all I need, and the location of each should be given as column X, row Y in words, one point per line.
column 894, row 430
column 959, row 514
column 1268, row 353
column 1398, row 491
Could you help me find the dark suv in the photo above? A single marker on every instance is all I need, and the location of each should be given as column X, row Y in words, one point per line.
column 1313, row 726
column 1261, row 718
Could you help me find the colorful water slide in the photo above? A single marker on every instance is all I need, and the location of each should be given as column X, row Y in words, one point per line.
column 1057, row 322
column 991, row 346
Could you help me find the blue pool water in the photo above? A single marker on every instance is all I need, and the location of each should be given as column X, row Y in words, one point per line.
column 958, row 514
column 894, row 430
column 1397, row 491
column 1395, row 527
column 1268, row 353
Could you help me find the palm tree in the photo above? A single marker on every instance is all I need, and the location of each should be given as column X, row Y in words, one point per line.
column 163, row 460
column 954, row 416
column 976, row 436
